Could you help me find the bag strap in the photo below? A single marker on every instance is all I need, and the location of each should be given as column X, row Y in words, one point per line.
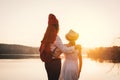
column 54, row 50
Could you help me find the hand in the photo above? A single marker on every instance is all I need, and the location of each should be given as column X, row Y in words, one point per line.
column 77, row 47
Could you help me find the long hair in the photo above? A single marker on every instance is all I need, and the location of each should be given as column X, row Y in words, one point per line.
column 52, row 29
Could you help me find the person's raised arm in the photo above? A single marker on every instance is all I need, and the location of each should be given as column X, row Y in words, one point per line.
column 62, row 47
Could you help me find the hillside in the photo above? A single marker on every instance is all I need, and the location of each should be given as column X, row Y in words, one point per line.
column 18, row 51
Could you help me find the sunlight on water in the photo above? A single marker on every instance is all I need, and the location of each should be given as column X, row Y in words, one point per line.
column 33, row 69
column 93, row 70
column 22, row 69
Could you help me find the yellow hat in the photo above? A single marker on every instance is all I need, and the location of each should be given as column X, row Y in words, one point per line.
column 72, row 36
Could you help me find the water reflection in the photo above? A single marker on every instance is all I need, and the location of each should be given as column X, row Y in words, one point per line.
column 33, row 69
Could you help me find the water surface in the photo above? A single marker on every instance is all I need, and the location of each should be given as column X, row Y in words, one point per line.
column 33, row 69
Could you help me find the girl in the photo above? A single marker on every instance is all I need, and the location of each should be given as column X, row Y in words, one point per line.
column 73, row 61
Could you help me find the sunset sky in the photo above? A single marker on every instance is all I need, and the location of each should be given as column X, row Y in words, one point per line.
column 24, row 21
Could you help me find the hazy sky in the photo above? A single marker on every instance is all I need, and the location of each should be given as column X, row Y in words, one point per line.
column 25, row 21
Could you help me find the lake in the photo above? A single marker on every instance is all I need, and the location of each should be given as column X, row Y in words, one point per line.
column 33, row 69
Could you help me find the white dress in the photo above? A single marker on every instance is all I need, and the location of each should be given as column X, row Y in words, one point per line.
column 69, row 69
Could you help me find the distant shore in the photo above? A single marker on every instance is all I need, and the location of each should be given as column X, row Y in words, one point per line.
column 101, row 54
column 18, row 51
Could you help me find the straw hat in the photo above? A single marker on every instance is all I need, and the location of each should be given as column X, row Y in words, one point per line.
column 72, row 35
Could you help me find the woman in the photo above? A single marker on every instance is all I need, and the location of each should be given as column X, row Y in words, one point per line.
column 53, row 67
column 73, row 62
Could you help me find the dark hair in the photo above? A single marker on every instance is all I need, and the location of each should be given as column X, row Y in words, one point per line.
column 52, row 30
column 56, row 27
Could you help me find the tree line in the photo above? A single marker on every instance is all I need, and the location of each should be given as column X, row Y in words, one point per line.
column 111, row 54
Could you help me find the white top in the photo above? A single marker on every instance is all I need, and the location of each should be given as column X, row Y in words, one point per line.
column 58, row 43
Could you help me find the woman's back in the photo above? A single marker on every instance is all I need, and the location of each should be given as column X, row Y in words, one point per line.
column 70, row 66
